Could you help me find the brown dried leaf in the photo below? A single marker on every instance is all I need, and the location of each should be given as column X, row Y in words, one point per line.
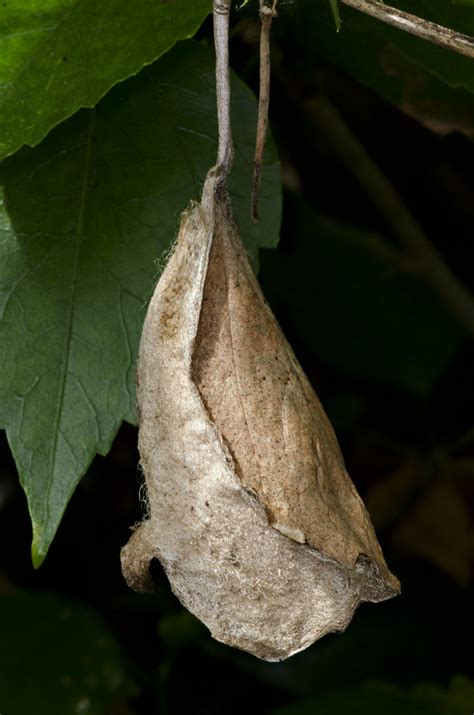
column 252, row 514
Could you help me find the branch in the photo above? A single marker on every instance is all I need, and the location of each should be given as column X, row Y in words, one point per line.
column 428, row 260
column 437, row 34
column 266, row 16
column 225, row 152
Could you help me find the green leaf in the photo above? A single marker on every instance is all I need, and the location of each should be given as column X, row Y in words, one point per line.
column 60, row 55
column 352, row 305
column 56, row 657
column 84, row 217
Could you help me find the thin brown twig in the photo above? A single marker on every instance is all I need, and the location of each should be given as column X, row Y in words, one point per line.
column 426, row 258
column 225, row 151
column 437, row 34
column 266, row 17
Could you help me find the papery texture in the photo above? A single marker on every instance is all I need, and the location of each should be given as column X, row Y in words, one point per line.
column 251, row 512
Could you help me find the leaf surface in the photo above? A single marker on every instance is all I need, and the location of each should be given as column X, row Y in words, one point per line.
column 84, row 217
column 57, row 56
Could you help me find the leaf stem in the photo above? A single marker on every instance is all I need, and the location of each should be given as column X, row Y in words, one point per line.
column 437, row 34
column 225, row 152
column 428, row 261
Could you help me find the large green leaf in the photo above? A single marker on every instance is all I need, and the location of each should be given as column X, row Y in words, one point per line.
column 84, row 217
column 56, row 658
column 59, row 55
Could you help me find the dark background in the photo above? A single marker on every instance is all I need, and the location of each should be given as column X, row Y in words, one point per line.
column 393, row 368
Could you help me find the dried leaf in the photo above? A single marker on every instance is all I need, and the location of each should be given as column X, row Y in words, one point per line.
column 251, row 512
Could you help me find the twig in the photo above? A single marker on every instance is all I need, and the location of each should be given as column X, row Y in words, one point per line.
column 266, row 17
column 427, row 259
column 437, row 34
column 225, row 152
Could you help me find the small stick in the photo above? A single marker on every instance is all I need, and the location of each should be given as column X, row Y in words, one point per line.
column 266, row 17
column 437, row 34
column 225, row 151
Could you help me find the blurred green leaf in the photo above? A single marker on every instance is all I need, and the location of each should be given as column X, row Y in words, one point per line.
column 351, row 304
column 453, row 68
column 428, row 82
column 56, row 658
column 373, row 699
column 458, row 699
column 60, row 55
column 85, row 216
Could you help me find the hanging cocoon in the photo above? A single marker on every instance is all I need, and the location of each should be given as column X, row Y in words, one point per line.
column 250, row 509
